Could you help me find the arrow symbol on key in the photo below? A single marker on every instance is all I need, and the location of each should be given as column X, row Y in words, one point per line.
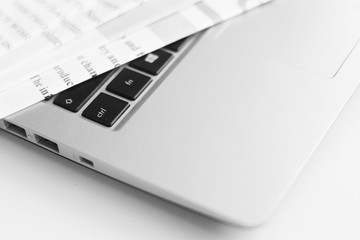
column 68, row 101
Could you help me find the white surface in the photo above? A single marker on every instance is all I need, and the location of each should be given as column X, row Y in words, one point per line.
column 43, row 196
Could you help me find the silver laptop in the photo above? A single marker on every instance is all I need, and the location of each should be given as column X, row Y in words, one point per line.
column 221, row 122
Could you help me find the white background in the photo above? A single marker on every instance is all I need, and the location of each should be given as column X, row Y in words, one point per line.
column 44, row 196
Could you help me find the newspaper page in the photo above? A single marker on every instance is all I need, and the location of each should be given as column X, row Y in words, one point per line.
column 108, row 56
column 28, row 64
column 32, row 27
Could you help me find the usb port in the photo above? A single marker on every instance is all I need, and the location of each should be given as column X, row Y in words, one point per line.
column 47, row 143
column 15, row 129
column 86, row 162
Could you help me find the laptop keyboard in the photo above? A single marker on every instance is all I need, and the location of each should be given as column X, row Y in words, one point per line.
column 108, row 97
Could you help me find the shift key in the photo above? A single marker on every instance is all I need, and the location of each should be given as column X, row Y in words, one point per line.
column 74, row 98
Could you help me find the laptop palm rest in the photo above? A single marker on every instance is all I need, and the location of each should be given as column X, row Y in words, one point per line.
column 317, row 36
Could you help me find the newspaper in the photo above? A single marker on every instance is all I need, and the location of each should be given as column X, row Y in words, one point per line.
column 18, row 65
column 33, row 27
column 115, row 53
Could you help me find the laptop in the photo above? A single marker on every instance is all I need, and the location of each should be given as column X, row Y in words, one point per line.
column 221, row 122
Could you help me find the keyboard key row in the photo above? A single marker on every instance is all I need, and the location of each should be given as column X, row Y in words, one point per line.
column 127, row 84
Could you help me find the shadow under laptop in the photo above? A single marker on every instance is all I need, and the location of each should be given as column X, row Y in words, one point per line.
column 93, row 199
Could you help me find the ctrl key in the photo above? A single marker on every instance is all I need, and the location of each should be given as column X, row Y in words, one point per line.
column 105, row 109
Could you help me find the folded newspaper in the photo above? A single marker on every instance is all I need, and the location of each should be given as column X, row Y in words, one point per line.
column 33, row 27
column 33, row 57
column 39, row 83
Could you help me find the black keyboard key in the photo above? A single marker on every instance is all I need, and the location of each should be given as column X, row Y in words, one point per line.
column 152, row 63
column 74, row 98
column 176, row 46
column 129, row 84
column 105, row 109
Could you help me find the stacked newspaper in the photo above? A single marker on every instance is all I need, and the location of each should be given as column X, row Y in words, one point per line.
column 47, row 46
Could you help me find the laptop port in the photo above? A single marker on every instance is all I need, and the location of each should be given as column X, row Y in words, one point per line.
column 47, row 143
column 15, row 129
column 86, row 162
